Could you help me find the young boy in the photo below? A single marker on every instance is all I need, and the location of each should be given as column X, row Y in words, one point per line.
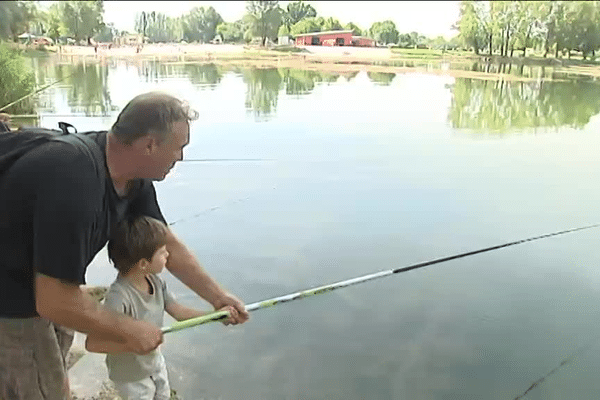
column 138, row 250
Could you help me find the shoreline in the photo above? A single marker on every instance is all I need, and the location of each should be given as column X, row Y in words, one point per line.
column 328, row 59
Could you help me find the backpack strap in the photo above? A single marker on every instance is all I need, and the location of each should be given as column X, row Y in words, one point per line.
column 90, row 147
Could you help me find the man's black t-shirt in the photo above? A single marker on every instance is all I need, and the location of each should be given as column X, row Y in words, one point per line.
column 54, row 218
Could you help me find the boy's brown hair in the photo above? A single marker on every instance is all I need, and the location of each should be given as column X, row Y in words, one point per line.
column 132, row 241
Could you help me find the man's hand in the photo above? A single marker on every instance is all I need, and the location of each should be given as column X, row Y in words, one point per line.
column 143, row 337
column 230, row 300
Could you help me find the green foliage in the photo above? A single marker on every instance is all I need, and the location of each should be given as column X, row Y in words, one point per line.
column 106, row 33
column 297, row 11
column 384, row 32
column 200, row 24
column 263, row 19
column 54, row 26
column 283, row 30
column 501, row 105
column 159, row 27
column 81, row 19
column 470, row 26
column 332, row 24
column 231, row 32
column 381, row 78
column 307, row 25
column 16, row 80
column 505, row 26
column 15, row 17
column 356, row 31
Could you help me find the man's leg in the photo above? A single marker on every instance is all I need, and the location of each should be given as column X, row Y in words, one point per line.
column 32, row 366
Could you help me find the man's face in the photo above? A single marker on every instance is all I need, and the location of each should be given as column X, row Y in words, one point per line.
column 170, row 150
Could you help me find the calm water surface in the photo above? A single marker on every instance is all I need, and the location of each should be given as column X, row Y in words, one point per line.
column 374, row 171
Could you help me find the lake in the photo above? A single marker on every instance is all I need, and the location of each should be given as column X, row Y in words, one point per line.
column 364, row 172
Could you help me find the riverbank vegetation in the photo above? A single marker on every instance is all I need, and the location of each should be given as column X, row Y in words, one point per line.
column 16, row 80
column 561, row 28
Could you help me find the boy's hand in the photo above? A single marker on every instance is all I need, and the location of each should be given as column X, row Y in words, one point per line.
column 240, row 316
column 233, row 315
column 143, row 337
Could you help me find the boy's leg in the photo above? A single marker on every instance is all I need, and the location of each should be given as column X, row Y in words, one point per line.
column 161, row 383
column 31, row 362
column 138, row 390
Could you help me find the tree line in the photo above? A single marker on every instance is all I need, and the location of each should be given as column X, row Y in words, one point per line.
column 559, row 27
column 267, row 20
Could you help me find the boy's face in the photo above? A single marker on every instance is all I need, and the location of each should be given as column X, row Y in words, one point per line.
column 159, row 260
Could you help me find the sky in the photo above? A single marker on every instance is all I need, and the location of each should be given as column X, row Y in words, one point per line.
column 430, row 18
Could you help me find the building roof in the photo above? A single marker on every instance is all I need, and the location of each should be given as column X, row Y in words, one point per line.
column 362, row 37
column 321, row 33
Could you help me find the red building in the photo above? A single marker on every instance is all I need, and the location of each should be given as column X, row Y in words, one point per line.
column 333, row 38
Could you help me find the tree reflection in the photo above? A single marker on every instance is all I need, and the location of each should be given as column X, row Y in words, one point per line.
column 263, row 89
column 382, row 78
column 502, row 105
column 203, row 74
column 89, row 89
column 299, row 81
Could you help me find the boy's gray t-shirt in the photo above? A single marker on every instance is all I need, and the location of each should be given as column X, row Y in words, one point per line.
column 125, row 298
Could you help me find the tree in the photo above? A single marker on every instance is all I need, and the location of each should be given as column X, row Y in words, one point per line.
column 81, row 19
column 307, row 25
column 469, row 26
column 55, row 28
column 200, row 24
column 297, row 11
column 384, row 32
column 356, row 31
column 264, row 19
column 332, row 24
column 15, row 18
column 283, row 30
column 159, row 27
column 231, row 32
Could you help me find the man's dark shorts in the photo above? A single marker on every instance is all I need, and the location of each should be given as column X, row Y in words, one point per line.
column 32, row 360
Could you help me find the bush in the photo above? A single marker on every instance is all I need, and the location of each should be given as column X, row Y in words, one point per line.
column 16, row 80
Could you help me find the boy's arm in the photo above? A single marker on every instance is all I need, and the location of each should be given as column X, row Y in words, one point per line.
column 181, row 312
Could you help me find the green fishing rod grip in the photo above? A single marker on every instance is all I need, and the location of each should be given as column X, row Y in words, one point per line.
column 188, row 323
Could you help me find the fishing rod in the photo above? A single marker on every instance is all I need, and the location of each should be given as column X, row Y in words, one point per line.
column 35, row 92
column 219, row 315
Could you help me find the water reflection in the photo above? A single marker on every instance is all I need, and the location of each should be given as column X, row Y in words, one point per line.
column 204, row 74
column 382, row 78
column 85, row 85
column 263, row 90
column 484, row 105
column 502, row 105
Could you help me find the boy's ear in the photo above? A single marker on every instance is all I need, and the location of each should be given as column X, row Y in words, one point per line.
column 142, row 264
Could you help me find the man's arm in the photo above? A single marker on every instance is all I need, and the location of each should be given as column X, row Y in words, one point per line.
column 95, row 345
column 183, row 264
column 66, row 304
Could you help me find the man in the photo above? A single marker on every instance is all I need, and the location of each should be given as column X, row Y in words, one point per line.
column 55, row 215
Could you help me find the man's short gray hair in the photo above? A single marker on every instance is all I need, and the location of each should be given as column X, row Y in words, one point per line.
column 151, row 113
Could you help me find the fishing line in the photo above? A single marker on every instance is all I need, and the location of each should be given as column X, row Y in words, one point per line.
column 327, row 288
column 206, row 211
column 564, row 362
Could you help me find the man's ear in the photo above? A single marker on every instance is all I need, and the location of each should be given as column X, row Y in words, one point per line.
column 146, row 145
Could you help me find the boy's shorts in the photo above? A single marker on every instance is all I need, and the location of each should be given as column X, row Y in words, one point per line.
column 32, row 359
column 155, row 387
